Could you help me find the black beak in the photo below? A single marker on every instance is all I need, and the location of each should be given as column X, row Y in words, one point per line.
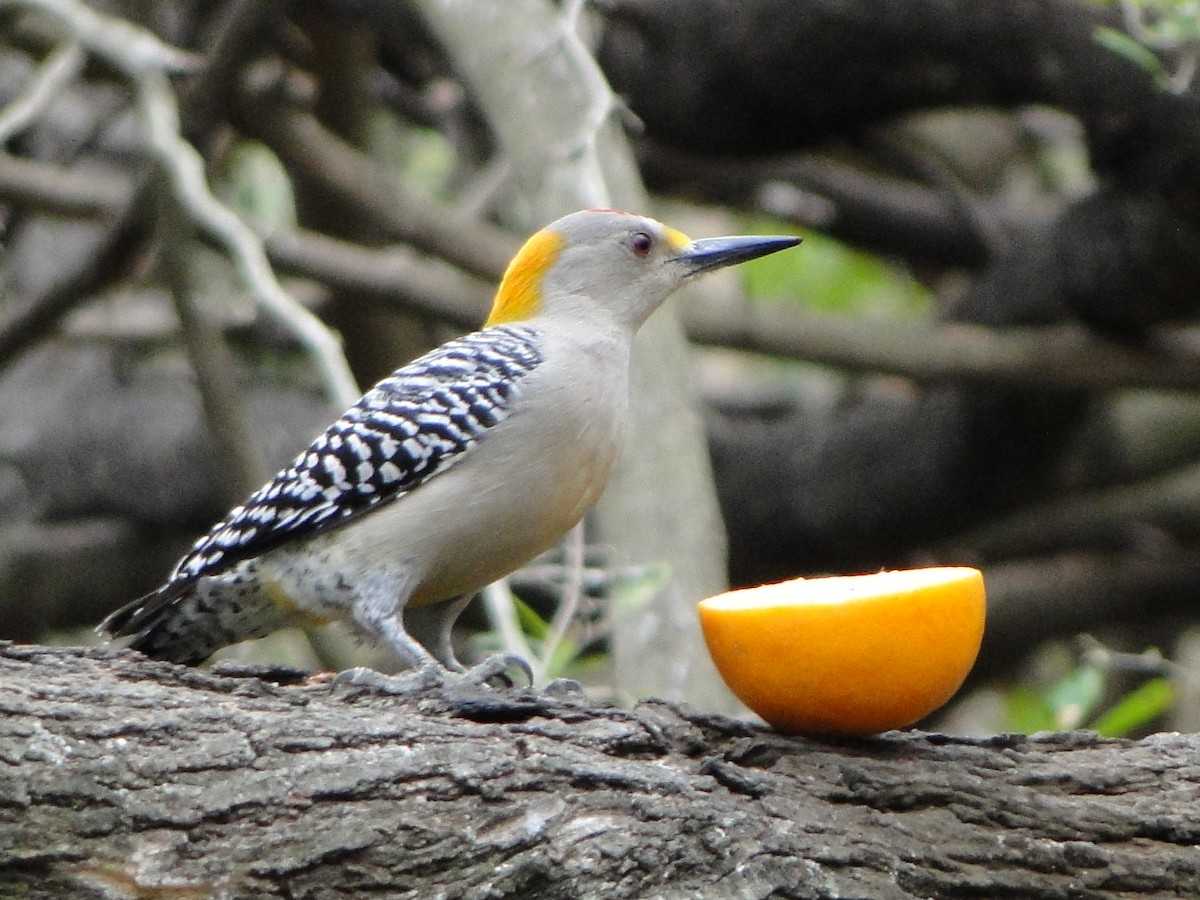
column 716, row 253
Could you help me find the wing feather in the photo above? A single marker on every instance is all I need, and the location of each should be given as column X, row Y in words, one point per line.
column 419, row 421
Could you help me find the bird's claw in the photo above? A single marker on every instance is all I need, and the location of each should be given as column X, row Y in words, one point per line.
column 561, row 688
column 495, row 671
column 407, row 682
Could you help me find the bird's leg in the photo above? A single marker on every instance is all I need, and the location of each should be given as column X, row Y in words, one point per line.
column 494, row 667
column 378, row 602
column 377, row 609
column 378, row 605
column 444, row 644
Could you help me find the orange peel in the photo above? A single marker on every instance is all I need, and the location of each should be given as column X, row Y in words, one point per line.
column 848, row 655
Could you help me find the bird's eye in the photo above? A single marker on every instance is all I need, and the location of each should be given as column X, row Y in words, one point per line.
column 641, row 243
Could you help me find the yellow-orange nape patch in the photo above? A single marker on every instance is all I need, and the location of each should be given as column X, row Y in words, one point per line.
column 520, row 293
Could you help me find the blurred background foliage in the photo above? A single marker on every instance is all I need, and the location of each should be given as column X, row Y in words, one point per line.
column 984, row 353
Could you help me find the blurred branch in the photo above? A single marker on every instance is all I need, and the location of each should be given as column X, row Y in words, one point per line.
column 29, row 318
column 145, row 61
column 886, row 214
column 210, row 359
column 236, row 37
column 1046, row 598
column 305, row 146
column 982, row 226
column 393, row 275
column 502, row 616
column 559, row 133
column 56, row 72
column 1058, row 357
column 185, row 168
column 127, row 47
column 1096, row 518
column 65, row 192
column 568, row 603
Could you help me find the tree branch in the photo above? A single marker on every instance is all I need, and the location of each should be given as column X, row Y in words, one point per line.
column 123, row 45
column 392, row 275
column 136, row 777
column 210, row 359
column 1056, row 357
column 875, row 211
column 1100, row 517
column 33, row 316
column 1048, row 598
column 56, row 72
column 185, row 169
column 65, row 192
column 145, row 61
column 306, row 147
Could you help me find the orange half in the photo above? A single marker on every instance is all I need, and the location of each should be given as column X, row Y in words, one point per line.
column 849, row 655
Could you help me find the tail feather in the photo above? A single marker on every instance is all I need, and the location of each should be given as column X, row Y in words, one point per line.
column 179, row 624
column 135, row 615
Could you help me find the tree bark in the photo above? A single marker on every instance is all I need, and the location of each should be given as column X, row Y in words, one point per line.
column 125, row 777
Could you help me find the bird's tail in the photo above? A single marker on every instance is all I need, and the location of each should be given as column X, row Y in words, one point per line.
column 182, row 623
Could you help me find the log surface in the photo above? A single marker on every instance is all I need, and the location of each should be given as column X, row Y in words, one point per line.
column 130, row 778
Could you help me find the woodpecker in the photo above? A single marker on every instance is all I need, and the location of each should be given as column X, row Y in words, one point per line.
column 451, row 472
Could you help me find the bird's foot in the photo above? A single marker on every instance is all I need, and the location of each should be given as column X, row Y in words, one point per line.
column 564, row 688
column 504, row 670
column 410, row 681
column 498, row 670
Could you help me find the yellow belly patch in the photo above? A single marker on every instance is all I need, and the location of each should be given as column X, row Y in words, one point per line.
column 283, row 600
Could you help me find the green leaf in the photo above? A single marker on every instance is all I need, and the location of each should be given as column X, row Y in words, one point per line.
column 257, row 183
column 1074, row 697
column 563, row 657
column 633, row 593
column 532, row 624
column 1136, row 709
column 833, row 277
column 1123, row 45
column 1027, row 711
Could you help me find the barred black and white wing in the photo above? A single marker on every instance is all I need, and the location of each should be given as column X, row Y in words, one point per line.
column 422, row 419
column 419, row 421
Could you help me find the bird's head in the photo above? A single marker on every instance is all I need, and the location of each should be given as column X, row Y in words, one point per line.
column 604, row 262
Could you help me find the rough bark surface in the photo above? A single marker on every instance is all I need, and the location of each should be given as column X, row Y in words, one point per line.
column 123, row 777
